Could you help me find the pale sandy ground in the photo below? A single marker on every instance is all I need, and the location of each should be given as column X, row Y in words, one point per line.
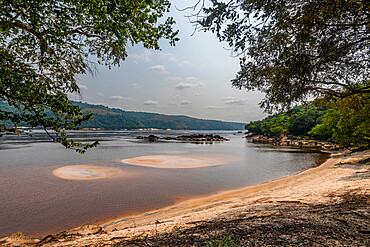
column 316, row 185
column 91, row 172
column 173, row 161
column 87, row 172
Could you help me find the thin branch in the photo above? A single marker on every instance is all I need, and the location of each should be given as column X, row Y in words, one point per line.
column 191, row 7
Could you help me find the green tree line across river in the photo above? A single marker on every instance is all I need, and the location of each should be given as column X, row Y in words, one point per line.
column 344, row 121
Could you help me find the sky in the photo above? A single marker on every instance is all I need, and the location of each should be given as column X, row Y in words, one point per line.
column 191, row 78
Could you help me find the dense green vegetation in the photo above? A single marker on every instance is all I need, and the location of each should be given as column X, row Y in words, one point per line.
column 348, row 122
column 108, row 118
column 345, row 122
column 298, row 122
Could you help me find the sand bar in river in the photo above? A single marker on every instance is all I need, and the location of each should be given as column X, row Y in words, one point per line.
column 87, row 172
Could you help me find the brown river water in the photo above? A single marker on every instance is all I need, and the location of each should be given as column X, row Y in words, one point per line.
column 37, row 200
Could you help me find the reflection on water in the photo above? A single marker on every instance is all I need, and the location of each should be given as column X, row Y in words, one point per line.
column 34, row 201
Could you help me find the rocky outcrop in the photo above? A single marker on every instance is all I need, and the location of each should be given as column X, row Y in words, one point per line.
column 187, row 138
column 291, row 141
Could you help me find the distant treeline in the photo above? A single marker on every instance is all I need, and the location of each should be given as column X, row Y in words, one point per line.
column 347, row 122
column 110, row 118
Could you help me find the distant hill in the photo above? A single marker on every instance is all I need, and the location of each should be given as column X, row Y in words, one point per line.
column 112, row 118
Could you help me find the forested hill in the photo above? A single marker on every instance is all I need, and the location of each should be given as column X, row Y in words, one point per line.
column 111, row 118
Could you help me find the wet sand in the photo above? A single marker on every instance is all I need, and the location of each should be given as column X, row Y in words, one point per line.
column 87, row 172
column 310, row 186
column 173, row 161
column 91, row 172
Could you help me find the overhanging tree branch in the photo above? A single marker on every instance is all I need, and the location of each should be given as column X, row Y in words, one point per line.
column 46, row 45
column 310, row 47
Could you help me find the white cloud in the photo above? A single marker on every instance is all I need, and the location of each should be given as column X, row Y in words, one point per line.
column 171, row 57
column 159, row 68
column 84, row 87
column 173, row 79
column 148, row 56
column 183, row 85
column 191, row 78
column 119, row 98
column 143, row 56
column 136, row 85
column 228, row 98
column 184, row 63
column 151, row 102
column 212, row 107
column 189, row 82
column 100, row 94
column 234, row 101
column 199, row 94
column 185, row 102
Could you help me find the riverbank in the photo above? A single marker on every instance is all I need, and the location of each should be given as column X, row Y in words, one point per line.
column 327, row 205
column 296, row 142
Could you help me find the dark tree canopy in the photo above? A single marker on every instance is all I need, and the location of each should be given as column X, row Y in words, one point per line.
column 294, row 50
column 45, row 45
column 347, row 123
column 298, row 122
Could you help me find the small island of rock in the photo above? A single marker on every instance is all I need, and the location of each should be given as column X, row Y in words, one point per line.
column 187, row 138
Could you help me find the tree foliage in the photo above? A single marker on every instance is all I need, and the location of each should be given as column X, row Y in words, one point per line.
column 45, row 45
column 344, row 121
column 298, row 122
column 294, row 50
column 348, row 122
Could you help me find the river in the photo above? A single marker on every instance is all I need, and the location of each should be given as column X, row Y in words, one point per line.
column 36, row 202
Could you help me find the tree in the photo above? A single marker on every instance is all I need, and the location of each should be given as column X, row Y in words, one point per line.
column 254, row 127
column 302, row 124
column 294, row 50
column 45, row 45
column 298, row 121
column 348, row 122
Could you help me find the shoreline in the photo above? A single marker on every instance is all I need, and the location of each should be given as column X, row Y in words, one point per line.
column 205, row 200
column 194, row 201
column 315, row 185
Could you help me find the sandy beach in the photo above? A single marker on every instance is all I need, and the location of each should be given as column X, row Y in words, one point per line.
column 341, row 180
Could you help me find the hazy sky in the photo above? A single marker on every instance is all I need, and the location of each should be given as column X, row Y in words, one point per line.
column 192, row 78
